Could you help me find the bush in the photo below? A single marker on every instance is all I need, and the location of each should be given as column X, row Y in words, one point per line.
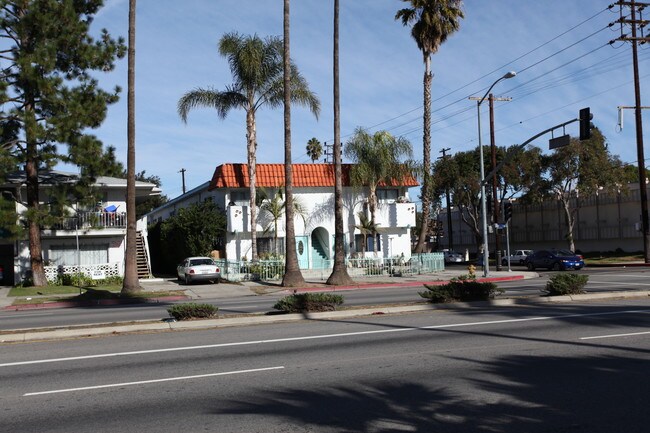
column 192, row 311
column 83, row 280
column 463, row 289
column 566, row 284
column 303, row 302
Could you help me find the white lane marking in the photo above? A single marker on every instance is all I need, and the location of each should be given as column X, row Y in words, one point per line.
column 315, row 337
column 619, row 283
column 615, row 335
column 143, row 382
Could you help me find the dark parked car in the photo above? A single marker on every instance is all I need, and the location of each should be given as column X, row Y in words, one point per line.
column 558, row 260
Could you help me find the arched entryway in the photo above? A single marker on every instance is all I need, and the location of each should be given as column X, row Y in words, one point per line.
column 320, row 248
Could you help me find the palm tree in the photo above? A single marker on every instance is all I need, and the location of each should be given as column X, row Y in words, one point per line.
column 378, row 160
column 130, row 283
column 292, row 275
column 256, row 66
column 314, row 149
column 339, row 275
column 431, row 21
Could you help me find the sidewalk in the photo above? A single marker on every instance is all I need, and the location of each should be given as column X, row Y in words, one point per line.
column 198, row 292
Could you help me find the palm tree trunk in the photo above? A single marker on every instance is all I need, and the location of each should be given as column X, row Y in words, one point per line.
column 251, row 146
column 339, row 274
column 426, row 158
column 130, row 283
column 292, row 275
column 372, row 204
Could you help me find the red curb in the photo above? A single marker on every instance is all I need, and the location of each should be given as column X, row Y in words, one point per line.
column 98, row 303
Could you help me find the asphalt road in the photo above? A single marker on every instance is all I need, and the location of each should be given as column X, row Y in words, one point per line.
column 600, row 279
column 574, row 367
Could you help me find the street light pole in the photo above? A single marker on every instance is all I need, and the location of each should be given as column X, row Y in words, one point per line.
column 486, row 254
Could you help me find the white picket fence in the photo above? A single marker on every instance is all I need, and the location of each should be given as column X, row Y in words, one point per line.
column 273, row 270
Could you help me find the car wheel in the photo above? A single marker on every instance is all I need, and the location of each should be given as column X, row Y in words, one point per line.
column 557, row 267
column 530, row 266
column 504, row 262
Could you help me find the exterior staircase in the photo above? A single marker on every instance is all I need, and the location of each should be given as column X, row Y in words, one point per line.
column 144, row 270
column 319, row 258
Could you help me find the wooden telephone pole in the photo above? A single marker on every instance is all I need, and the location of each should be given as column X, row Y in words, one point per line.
column 634, row 23
column 495, row 197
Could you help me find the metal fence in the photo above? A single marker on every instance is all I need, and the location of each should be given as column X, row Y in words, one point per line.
column 273, row 270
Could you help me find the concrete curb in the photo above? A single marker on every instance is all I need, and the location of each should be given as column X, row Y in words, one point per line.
column 370, row 286
column 29, row 335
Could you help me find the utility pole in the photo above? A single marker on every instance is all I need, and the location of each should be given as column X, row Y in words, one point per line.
column 495, row 197
column 633, row 22
column 182, row 172
column 449, row 230
column 328, row 152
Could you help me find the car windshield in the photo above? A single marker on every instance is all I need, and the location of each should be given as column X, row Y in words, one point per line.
column 197, row 262
column 564, row 253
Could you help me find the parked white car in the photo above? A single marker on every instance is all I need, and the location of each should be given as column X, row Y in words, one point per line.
column 517, row 258
column 452, row 256
column 198, row 269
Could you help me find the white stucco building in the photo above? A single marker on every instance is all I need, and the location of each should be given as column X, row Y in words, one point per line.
column 91, row 238
column 313, row 188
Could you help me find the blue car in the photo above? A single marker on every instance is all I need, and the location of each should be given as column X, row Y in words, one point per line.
column 557, row 260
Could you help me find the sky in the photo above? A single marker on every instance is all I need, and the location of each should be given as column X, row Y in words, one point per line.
column 559, row 49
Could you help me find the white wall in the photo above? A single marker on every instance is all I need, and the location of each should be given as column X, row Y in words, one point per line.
column 319, row 208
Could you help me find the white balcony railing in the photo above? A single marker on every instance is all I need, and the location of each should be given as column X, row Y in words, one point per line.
column 93, row 220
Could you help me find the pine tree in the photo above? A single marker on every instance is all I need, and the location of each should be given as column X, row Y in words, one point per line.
column 49, row 98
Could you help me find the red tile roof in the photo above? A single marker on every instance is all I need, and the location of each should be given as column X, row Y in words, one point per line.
column 272, row 175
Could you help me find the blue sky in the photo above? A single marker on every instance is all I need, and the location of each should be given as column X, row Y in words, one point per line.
column 559, row 49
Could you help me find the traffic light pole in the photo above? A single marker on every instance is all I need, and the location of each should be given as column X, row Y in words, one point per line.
column 508, row 244
column 511, row 154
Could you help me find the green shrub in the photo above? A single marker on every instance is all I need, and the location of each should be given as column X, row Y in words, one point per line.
column 83, row 280
column 566, row 284
column 192, row 311
column 463, row 289
column 77, row 280
column 303, row 302
column 438, row 294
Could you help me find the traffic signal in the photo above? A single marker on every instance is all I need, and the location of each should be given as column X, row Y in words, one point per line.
column 507, row 211
column 585, row 123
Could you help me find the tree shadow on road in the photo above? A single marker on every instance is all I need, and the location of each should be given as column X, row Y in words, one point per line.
column 521, row 393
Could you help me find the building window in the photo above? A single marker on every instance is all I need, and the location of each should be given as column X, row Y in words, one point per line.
column 240, row 198
column 373, row 243
column 267, row 246
column 88, row 254
column 387, row 195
